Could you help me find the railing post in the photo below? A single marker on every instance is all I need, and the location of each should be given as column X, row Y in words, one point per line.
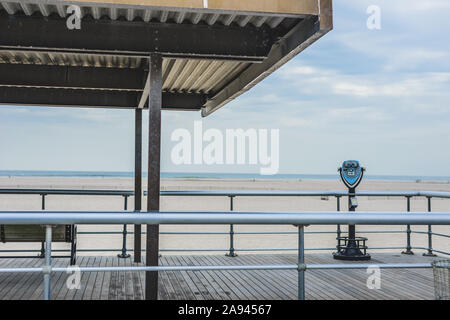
column 231, row 252
column 301, row 268
column 124, row 234
column 42, row 254
column 48, row 262
column 338, row 208
column 429, row 252
column 408, row 229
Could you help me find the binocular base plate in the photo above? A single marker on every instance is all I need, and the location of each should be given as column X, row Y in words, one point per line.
column 351, row 257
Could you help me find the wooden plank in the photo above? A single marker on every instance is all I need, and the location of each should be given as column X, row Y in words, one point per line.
column 226, row 277
column 324, row 286
column 223, row 285
column 248, row 278
column 63, row 289
column 98, row 285
column 71, row 294
column 353, row 286
column 314, row 286
column 197, row 295
column 170, row 290
column 137, row 284
column 162, row 290
column 85, row 276
column 129, row 288
column 287, row 279
column 198, row 278
column 356, row 283
column 185, row 282
column 212, row 286
column 268, row 285
column 104, row 294
column 121, row 294
column 178, row 289
column 85, row 291
column 58, row 291
column 182, row 283
column 5, row 278
column 4, row 261
column 21, row 279
column 258, row 284
column 58, row 279
column 113, row 281
column 29, row 283
column 233, row 281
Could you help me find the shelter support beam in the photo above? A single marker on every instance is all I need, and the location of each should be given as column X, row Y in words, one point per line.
column 56, row 97
column 119, row 38
column 154, row 162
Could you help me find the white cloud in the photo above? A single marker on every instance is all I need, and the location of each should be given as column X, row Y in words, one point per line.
column 327, row 81
column 296, row 122
column 387, row 48
column 402, row 7
column 358, row 114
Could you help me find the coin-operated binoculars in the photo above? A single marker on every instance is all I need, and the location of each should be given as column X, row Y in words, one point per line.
column 351, row 247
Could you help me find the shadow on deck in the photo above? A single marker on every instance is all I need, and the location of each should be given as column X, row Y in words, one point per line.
column 223, row 285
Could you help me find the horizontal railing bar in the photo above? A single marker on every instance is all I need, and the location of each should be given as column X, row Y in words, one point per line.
column 191, row 233
column 218, row 250
column 433, row 233
column 22, row 250
column 234, row 193
column 20, row 270
column 294, row 249
column 196, row 250
column 32, row 257
column 102, row 232
column 253, row 233
column 69, row 192
column 434, row 250
column 276, row 218
column 221, row 268
column 365, row 266
column 302, row 193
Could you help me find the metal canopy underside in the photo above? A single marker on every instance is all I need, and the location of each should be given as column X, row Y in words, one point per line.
column 210, row 56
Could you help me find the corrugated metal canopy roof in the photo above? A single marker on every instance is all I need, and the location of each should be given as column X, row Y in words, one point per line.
column 179, row 75
column 148, row 13
column 217, row 80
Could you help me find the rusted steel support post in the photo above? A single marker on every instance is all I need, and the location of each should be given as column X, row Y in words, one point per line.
column 138, row 183
column 154, row 159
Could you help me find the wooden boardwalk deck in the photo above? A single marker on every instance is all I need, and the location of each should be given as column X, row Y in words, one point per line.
column 224, row 285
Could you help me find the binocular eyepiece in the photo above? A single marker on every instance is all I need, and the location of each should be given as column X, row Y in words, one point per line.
column 351, row 173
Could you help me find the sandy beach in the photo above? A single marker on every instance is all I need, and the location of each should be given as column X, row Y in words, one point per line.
column 58, row 202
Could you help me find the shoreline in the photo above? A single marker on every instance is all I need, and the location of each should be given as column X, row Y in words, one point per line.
column 217, row 176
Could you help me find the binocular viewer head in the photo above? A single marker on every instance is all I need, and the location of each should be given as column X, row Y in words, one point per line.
column 351, row 173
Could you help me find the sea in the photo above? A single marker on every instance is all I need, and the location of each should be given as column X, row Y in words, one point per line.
column 221, row 176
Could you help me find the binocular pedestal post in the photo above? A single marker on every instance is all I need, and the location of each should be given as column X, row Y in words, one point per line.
column 351, row 247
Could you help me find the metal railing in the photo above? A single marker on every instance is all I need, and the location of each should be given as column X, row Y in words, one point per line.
column 299, row 219
column 231, row 251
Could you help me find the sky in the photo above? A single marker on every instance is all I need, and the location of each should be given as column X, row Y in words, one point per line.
column 378, row 96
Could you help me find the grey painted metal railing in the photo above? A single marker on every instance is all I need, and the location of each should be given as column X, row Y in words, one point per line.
column 231, row 194
column 299, row 219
